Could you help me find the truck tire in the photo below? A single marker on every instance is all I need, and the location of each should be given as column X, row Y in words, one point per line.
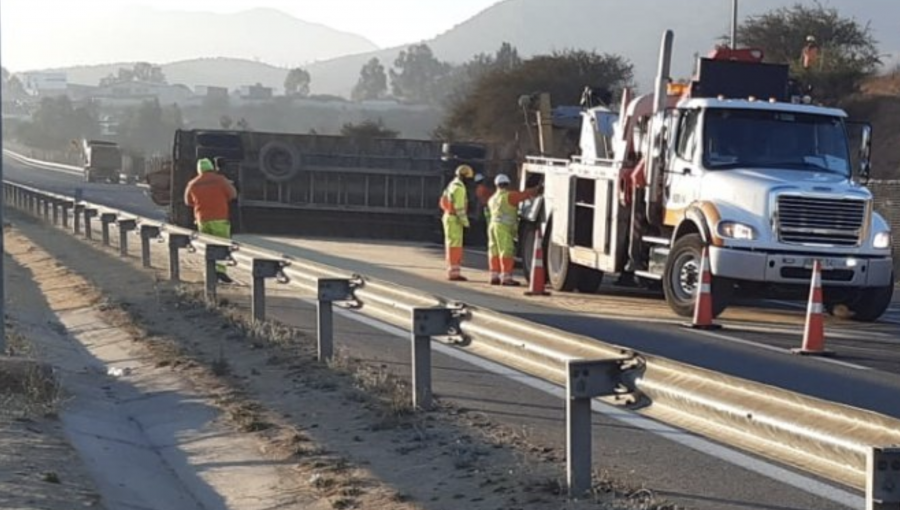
column 279, row 161
column 864, row 305
column 526, row 250
column 682, row 276
column 589, row 280
column 559, row 268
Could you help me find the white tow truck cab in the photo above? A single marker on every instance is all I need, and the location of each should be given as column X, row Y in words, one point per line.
column 735, row 161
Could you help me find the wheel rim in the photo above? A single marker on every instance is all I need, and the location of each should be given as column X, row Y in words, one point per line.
column 686, row 276
column 554, row 263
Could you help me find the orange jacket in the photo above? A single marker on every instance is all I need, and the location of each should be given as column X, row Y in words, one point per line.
column 483, row 192
column 209, row 194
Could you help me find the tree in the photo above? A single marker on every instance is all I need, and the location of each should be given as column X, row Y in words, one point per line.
column 142, row 71
column 848, row 51
column 150, row 127
column 457, row 85
column 368, row 129
column 56, row 122
column 491, row 111
column 297, row 82
column 372, row 82
column 416, row 75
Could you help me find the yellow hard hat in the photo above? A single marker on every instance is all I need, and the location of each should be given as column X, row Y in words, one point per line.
column 465, row 172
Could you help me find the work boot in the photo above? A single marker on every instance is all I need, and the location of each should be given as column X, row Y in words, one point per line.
column 458, row 278
column 224, row 278
column 495, row 281
column 511, row 283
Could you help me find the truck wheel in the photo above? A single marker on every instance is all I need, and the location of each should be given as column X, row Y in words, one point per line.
column 682, row 278
column 559, row 268
column 865, row 305
column 588, row 280
column 526, row 250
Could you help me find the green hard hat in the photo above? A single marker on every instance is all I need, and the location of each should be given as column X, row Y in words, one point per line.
column 205, row 165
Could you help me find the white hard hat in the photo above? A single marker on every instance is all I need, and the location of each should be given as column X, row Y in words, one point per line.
column 501, row 180
column 479, row 177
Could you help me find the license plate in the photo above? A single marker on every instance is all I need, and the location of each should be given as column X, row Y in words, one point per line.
column 826, row 263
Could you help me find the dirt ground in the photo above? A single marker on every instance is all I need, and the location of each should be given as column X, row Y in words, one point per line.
column 347, row 429
column 38, row 468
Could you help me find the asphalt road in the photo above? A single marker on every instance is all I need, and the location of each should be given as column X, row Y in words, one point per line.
column 874, row 385
column 118, row 196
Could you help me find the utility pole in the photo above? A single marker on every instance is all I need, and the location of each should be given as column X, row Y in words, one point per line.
column 734, row 23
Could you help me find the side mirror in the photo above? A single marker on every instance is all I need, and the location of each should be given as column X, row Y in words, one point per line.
column 865, row 153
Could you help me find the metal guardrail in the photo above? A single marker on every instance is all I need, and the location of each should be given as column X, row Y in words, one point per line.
column 835, row 441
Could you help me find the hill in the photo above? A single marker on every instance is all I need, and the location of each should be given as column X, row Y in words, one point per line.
column 603, row 25
column 144, row 34
column 223, row 72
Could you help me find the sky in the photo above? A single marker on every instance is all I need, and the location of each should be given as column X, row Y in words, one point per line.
column 384, row 22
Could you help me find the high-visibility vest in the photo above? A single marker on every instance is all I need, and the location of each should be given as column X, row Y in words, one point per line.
column 453, row 199
column 502, row 211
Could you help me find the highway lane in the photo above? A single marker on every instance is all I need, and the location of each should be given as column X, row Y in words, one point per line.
column 751, row 356
column 118, row 196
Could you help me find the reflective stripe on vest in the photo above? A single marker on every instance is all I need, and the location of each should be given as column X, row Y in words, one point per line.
column 447, row 199
column 502, row 211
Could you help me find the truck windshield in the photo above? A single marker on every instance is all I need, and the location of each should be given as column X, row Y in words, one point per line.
column 740, row 138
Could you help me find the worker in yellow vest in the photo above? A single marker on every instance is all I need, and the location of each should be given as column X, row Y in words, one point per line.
column 454, row 204
column 503, row 227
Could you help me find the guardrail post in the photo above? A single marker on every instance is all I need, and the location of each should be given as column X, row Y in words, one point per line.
column 148, row 232
column 883, row 478
column 428, row 323
column 330, row 290
column 89, row 214
column 125, row 226
column 45, row 203
column 76, row 215
column 66, row 205
column 55, row 212
column 105, row 220
column 263, row 269
column 214, row 253
column 586, row 380
column 176, row 243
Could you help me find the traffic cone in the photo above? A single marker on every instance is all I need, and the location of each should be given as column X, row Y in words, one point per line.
column 703, row 312
column 814, row 330
column 538, row 280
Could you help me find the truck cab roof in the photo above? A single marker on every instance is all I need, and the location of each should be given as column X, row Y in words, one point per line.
column 759, row 104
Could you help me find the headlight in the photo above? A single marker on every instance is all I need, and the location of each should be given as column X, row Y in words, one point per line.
column 735, row 230
column 882, row 240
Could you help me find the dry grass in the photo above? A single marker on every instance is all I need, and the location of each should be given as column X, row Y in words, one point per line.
column 28, row 388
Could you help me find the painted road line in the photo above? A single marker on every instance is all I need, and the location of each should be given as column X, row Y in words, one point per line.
column 773, row 348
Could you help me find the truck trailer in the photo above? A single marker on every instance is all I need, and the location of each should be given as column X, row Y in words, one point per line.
column 737, row 162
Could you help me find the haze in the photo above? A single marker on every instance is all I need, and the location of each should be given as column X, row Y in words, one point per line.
column 384, row 23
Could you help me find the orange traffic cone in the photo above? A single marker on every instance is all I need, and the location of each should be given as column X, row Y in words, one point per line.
column 538, row 280
column 703, row 313
column 814, row 331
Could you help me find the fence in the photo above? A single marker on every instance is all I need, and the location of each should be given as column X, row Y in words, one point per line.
column 838, row 442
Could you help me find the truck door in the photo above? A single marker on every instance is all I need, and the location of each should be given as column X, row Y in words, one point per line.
column 683, row 173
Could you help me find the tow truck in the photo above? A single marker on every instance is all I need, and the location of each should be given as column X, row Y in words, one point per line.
column 738, row 162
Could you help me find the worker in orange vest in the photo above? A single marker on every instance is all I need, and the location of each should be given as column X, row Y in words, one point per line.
column 210, row 194
column 454, row 203
column 503, row 228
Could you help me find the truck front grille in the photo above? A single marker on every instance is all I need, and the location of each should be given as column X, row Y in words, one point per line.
column 820, row 221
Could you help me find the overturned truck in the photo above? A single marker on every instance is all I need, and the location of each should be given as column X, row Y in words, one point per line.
column 318, row 185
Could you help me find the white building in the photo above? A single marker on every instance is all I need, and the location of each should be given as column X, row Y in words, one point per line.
column 45, row 83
